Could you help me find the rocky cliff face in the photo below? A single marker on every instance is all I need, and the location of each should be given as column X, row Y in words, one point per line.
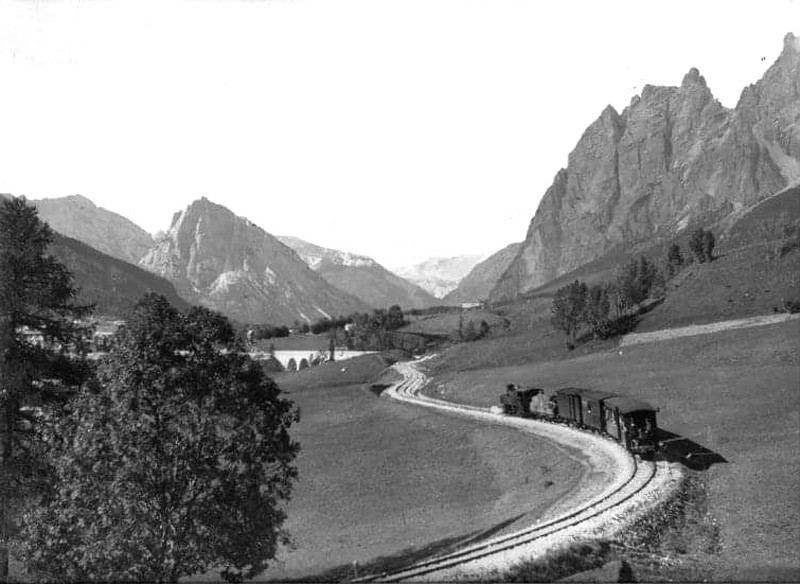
column 360, row 276
column 79, row 218
column 674, row 157
column 478, row 284
column 229, row 264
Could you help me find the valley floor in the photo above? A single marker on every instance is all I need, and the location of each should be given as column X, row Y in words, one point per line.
column 382, row 483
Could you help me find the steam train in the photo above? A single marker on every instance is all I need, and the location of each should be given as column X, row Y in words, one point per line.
column 630, row 422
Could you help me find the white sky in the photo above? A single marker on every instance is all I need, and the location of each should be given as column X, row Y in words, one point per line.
column 397, row 129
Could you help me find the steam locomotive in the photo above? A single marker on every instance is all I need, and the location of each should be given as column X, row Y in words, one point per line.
column 630, row 422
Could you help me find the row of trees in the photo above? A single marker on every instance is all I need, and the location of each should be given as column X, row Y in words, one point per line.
column 603, row 309
column 377, row 331
column 599, row 308
column 168, row 458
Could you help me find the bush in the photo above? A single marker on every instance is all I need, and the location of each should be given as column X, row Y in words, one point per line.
column 560, row 564
column 702, row 245
column 568, row 308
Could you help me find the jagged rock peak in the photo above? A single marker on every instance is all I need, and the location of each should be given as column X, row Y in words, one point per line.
column 791, row 43
column 82, row 200
column 693, row 77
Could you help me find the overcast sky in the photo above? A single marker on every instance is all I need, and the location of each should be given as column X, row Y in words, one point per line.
column 397, row 129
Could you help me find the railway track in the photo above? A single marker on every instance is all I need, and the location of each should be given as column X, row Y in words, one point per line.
column 637, row 484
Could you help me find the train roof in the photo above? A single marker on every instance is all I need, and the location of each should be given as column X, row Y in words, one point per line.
column 627, row 405
column 592, row 394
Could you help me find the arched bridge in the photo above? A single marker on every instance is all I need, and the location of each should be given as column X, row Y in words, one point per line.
column 297, row 360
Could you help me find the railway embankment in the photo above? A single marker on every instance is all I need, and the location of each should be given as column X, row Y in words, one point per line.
column 616, row 492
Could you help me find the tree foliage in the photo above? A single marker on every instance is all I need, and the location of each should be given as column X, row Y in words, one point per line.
column 174, row 463
column 568, row 307
column 635, row 281
column 597, row 310
column 702, row 244
column 674, row 261
column 42, row 349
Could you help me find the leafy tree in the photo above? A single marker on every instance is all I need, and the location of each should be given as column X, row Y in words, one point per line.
column 708, row 245
column 470, row 332
column 702, row 244
column 674, row 260
column 568, row 307
column 174, row 463
column 598, row 307
column 42, row 349
column 634, row 281
column 484, row 329
column 394, row 319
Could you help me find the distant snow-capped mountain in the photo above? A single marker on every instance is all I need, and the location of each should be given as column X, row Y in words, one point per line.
column 439, row 276
column 360, row 276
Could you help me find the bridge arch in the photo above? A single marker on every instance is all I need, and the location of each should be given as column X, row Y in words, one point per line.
column 303, row 364
column 291, row 365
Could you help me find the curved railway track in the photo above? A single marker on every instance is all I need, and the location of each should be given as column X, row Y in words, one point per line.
column 627, row 496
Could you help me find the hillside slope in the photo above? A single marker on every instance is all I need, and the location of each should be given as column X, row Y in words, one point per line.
column 478, row 284
column 229, row 264
column 360, row 276
column 114, row 286
column 106, row 231
column 675, row 157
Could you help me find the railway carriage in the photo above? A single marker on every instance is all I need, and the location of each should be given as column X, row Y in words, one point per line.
column 629, row 421
column 583, row 407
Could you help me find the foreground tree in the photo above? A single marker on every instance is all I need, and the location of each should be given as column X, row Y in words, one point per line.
column 42, row 345
column 175, row 463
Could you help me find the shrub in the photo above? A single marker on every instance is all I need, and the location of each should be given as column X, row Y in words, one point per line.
column 568, row 308
column 560, row 564
column 674, row 260
column 702, row 245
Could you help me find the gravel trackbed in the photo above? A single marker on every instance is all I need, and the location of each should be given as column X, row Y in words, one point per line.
column 625, row 488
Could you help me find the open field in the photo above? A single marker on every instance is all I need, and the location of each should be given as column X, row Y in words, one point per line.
column 735, row 393
column 447, row 324
column 382, row 479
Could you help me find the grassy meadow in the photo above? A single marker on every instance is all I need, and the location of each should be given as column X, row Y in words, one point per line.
column 735, row 394
column 383, row 482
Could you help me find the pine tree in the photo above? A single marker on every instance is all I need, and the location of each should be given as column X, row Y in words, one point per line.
column 42, row 349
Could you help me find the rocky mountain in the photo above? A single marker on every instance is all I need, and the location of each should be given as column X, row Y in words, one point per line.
column 675, row 157
column 478, row 284
column 439, row 276
column 112, row 285
column 360, row 276
column 106, row 231
column 229, row 264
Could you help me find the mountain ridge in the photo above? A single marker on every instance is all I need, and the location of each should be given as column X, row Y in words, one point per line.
column 360, row 276
column 674, row 158
column 230, row 264
column 111, row 233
